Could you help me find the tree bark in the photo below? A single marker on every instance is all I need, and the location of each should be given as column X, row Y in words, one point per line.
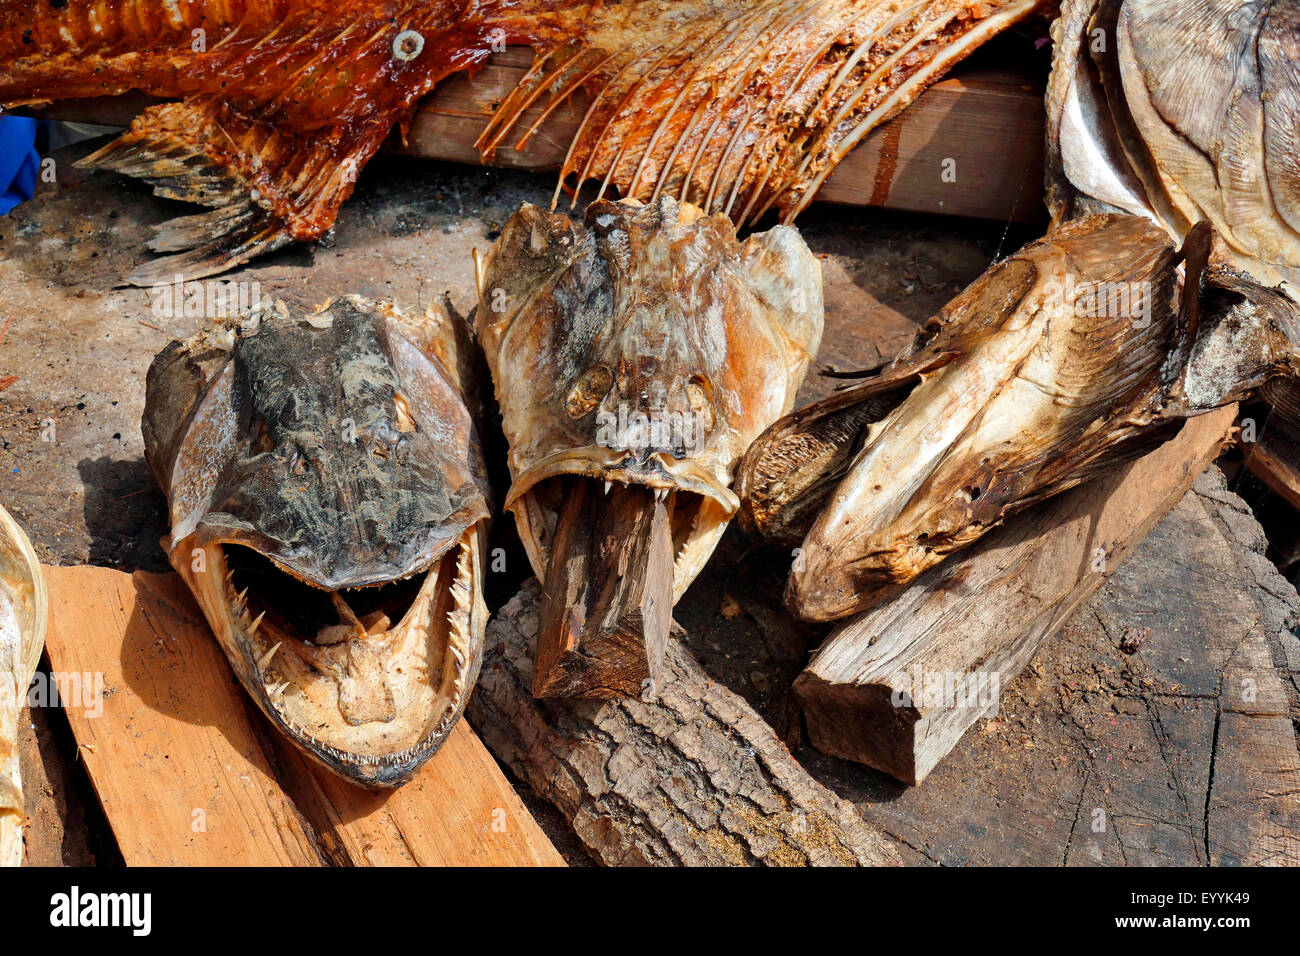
column 693, row 777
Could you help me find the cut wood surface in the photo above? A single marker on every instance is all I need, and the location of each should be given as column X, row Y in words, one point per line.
column 693, row 776
column 185, row 773
column 610, row 594
column 984, row 127
column 1097, row 755
column 896, row 687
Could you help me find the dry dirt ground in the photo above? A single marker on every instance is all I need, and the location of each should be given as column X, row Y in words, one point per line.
column 72, row 472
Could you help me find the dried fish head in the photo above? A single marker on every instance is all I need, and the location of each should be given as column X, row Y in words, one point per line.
column 645, row 346
column 24, row 608
column 1183, row 111
column 328, row 509
column 1058, row 362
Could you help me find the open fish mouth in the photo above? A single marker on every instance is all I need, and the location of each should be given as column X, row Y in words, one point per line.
column 697, row 524
column 644, row 347
column 367, row 680
column 328, row 510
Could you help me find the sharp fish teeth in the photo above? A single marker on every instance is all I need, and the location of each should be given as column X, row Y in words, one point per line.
column 265, row 659
column 608, row 485
column 252, row 628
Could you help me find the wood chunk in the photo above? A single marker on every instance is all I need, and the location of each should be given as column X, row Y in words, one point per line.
column 177, row 735
column 693, row 777
column 1274, row 460
column 610, row 588
column 896, row 687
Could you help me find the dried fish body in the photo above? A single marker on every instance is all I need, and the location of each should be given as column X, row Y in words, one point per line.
column 732, row 105
column 24, row 607
column 328, row 509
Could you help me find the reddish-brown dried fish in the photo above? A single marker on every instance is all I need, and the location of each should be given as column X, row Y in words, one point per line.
column 733, row 106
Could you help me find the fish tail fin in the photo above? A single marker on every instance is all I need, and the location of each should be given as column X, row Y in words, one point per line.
column 164, row 148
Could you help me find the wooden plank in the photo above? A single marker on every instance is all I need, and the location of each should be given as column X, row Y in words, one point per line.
column 458, row 811
column 983, row 126
column 175, row 736
column 180, row 773
column 898, row 686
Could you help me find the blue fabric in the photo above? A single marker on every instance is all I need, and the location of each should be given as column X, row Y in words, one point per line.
column 18, row 160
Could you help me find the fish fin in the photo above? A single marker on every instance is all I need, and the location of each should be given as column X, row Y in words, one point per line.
column 740, row 110
column 160, row 149
column 279, row 107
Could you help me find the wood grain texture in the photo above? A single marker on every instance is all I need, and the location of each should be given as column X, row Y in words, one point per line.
column 176, row 735
column 458, row 811
column 180, row 773
column 610, row 583
column 976, row 620
column 692, row 777
column 986, row 125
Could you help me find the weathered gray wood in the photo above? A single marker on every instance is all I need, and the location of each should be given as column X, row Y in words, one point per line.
column 896, row 687
column 693, row 776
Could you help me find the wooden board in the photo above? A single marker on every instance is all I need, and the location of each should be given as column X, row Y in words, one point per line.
column 185, row 773
column 976, row 620
column 986, row 126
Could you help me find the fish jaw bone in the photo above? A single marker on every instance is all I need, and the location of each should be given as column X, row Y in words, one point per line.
column 374, row 706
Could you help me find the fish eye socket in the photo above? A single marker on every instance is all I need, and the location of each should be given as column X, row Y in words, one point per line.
column 589, row 390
